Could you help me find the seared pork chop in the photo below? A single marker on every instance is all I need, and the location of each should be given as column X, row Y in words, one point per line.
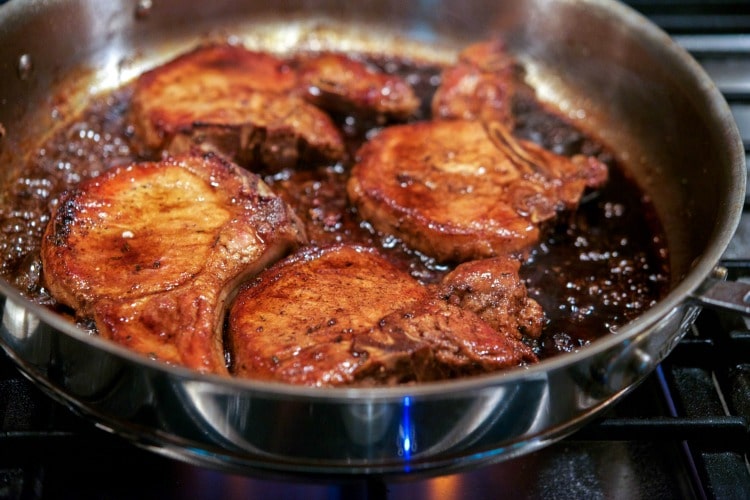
column 234, row 101
column 458, row 190
column 481, row 85
column 344, row 315
column 153, row 251
column 258, row 109
column 339, row 83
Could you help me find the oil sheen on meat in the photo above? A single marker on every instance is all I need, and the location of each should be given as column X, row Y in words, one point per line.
column 154, row 252
column 346, row 315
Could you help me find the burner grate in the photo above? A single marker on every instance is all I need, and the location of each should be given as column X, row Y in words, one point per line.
column 705, row 382
column 696, row 16
column 705, row 386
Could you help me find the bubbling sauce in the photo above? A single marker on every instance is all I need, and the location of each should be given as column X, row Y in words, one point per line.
column 594, row 269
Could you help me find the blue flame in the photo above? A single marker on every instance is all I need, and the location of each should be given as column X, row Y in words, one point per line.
column 406, row 440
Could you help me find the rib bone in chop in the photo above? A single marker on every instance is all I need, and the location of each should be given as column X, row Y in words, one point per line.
column 152, row 251
column 458, row 190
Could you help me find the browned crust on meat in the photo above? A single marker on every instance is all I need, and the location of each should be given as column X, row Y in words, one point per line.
column 344, row 315
column 462, row 189
column 483, row 84
column 493, row 289
column 233, row 101
column 434, row 340
column 315, row 298
column 257, row 109
column 153, row 251
column 339, row 83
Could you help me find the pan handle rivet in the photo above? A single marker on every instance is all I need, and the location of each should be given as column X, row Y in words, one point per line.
column 25, row 67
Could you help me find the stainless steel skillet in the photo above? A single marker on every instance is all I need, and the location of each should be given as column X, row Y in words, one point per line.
column 608, row 69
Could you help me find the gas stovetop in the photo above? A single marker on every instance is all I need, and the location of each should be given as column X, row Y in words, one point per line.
column 683, row 433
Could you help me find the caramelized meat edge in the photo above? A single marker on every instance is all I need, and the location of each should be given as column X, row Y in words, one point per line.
column 482, row 85
column 459, row 190
column 154, row 251
column 260, row 110
column 344, row 315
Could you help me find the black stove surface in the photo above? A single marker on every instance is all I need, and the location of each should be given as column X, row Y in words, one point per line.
column 646, row 447
column 683, row 433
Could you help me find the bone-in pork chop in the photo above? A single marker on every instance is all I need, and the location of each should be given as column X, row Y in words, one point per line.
column 234, row 101
column 458, row 190
column 152, row 252
column 258, row 109
column 344, row 315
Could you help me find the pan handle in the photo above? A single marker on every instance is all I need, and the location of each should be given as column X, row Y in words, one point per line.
column 717, row 293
